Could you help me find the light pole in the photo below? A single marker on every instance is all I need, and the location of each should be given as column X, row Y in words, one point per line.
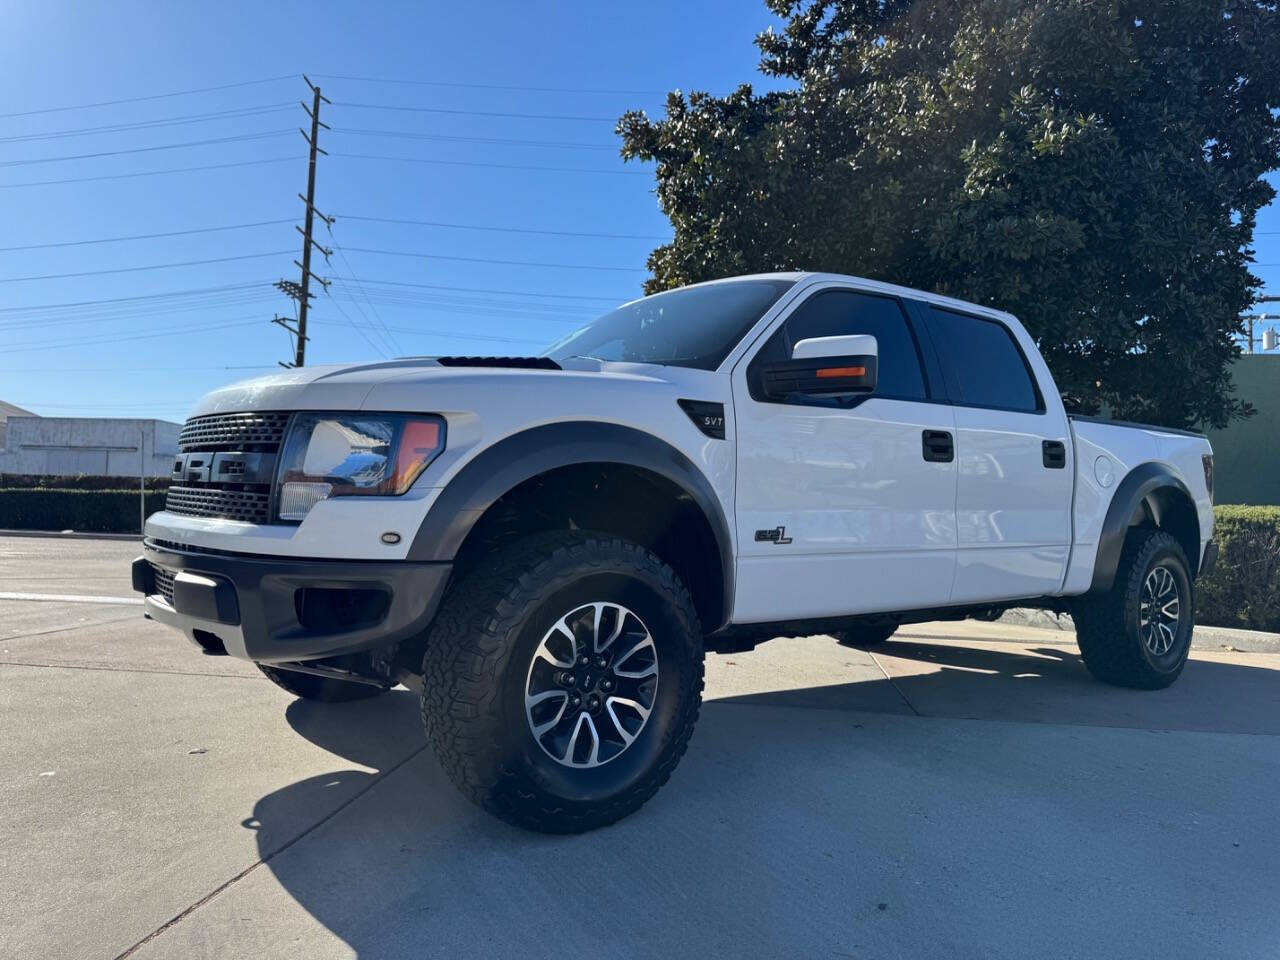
column 142, row 481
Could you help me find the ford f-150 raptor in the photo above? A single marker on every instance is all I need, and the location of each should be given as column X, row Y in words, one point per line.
column 543, row 547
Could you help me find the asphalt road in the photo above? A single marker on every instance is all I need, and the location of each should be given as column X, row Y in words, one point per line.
column 967, row 791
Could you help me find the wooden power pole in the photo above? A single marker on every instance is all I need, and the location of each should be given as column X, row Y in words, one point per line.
column 301, row 292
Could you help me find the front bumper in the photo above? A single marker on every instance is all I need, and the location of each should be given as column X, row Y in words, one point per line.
column 282, row 609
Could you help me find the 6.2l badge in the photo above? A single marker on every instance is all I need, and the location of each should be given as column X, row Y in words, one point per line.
column 776, row 535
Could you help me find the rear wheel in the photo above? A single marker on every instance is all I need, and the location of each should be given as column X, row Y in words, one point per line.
column 562, row 680
column 308, row 686
column 866, row 634
column 1138, row 634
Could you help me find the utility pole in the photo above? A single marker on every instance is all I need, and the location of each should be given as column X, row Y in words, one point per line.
column 301, row 292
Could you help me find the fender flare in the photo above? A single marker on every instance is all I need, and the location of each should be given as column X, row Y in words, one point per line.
column 1137, row 486
column 522, row 456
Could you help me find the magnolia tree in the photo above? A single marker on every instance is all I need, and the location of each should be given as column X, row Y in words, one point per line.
column 1094, row 167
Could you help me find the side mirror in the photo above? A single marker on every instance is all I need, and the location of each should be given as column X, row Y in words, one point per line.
column 824, row 367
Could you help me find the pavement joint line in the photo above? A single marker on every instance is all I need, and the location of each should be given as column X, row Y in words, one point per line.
column 893, row 683
column 78, row 626
column 71, row 598
column 743, row 700
column 226, row 885
column 167, row 673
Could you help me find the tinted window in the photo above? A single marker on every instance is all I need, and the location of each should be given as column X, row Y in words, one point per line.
column 982, row 361
column 688, row 327
column 835, row 313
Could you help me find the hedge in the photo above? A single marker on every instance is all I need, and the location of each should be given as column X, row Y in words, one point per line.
column 1244, row 588
column 79, row 481
column 90, row 511
column 1242, row 591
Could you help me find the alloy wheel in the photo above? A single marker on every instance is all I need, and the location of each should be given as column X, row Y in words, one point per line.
column 1159, row 611
column 591, row 685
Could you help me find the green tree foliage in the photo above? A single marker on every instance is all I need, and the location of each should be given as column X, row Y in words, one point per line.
column 1094, row 167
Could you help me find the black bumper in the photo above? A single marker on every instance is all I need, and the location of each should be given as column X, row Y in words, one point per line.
column 280, row 609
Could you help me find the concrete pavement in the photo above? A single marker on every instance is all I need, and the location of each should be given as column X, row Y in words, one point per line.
column 966, row 791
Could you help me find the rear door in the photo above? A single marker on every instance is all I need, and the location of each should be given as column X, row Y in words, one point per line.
column 841, row 506
column 1013, row 448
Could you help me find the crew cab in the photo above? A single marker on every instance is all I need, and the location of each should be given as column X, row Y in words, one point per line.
column 543, row 547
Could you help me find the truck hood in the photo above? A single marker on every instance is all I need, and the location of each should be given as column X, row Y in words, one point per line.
column 424, row 384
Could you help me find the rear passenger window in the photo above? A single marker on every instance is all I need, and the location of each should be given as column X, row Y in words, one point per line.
column 835, row 313
column 982, row 362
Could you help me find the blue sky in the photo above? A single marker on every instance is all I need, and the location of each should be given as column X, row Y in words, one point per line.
column 153, row 357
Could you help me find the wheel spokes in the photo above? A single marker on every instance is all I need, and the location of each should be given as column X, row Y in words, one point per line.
column 583, row 706
column 644, row 643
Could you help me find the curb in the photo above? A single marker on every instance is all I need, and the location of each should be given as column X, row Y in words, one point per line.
column 1232, row 637
column 71, row 535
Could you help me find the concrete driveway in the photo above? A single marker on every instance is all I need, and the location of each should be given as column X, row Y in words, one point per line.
column 967, row 791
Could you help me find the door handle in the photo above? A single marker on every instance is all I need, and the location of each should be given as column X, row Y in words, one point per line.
column 1055, row 454
column 938, row 446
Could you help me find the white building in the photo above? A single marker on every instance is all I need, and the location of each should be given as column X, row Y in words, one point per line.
column 93, row 446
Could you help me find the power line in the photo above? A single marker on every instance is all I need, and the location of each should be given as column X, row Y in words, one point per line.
column 547, row 313
column 155, row 266
column 133, row 369
column 474, row 226
column 106, row 316
column 491, row 86
column 146, row 173
column 512, row 293
column 498, row 166
column 107, row 406
column 442, row 333
column 351, row 273
column 166, row 146
column 505, row 263
column 151, row 124
column 153, row 96
column 504, row 141
column 472, row 113
column 148, row 296
column 146, row 236
column 359, row 328
column 168, row 330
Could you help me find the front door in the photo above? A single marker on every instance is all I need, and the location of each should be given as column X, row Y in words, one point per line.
column 843, row 507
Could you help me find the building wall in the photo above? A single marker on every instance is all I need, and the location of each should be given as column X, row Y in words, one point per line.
column 60, row 446
column 1246, row 455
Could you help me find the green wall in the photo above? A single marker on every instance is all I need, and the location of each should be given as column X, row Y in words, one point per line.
column 1246, row 455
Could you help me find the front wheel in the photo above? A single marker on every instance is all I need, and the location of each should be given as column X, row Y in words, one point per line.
column 1138, row 634
column 563, row 680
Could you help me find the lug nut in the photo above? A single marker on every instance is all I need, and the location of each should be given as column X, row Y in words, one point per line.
column 584, row 661
column 606, row 684
column 567, row 678
column 601, row 662
column 574, row 700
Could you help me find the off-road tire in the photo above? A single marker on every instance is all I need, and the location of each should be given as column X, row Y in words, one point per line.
column 1107, row 624
column 321, row 689
column 865, row 634
column 477, row 660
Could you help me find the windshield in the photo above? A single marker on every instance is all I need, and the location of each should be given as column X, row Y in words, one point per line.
column 689, row 327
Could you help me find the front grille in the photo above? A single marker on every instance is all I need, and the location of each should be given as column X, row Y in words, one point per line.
column 246, row 506
column 234, row 431
column 225, row 465
column 164, row 582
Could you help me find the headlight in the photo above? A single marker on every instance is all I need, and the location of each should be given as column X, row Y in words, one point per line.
column 353, row 454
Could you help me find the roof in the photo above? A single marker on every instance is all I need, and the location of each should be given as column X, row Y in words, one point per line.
column 8, row 410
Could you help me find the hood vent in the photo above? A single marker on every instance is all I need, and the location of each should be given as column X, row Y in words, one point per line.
column 518, row 363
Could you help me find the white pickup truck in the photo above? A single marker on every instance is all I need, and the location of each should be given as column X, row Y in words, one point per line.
column 543, row 547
